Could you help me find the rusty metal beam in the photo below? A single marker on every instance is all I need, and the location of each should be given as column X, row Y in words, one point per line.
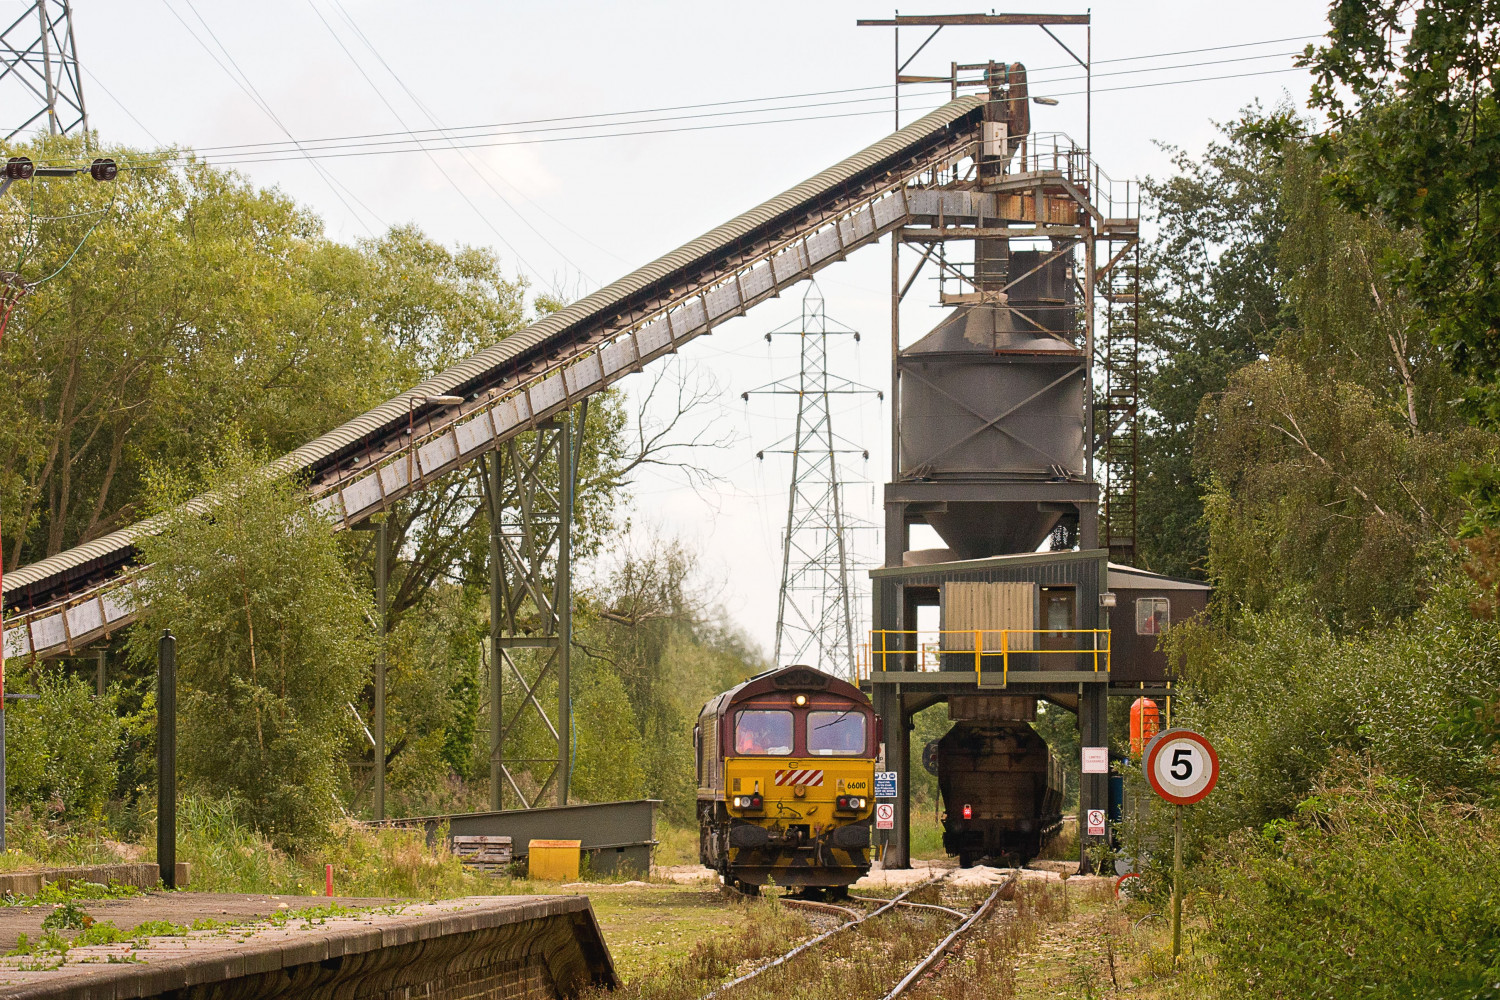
column 943, row 20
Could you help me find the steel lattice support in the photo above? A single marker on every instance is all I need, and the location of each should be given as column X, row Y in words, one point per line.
column 815, row 617
column 39, row 69
column 529, row 493
column 1117, row 415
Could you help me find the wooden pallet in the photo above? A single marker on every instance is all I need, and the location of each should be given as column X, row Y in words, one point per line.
column 491, row 855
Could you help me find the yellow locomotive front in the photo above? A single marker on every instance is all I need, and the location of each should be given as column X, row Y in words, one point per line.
column 786, row 771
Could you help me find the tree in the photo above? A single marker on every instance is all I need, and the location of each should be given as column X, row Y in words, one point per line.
column 1211, row 305
column 1318, row 496
column 1415, row 140
column 273, row 643
column 197, row 306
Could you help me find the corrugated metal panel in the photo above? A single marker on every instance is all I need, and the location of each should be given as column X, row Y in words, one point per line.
column 989, row 607
column 569, row 328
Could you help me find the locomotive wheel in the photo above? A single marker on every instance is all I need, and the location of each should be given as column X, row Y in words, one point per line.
column 745, row 888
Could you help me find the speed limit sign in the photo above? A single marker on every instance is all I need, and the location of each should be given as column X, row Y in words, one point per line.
column 1181, row 766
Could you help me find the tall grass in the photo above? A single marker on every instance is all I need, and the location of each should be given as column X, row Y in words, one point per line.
column 229, row 856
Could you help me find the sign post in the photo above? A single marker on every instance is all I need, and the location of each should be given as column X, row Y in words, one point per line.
column 1182, row 768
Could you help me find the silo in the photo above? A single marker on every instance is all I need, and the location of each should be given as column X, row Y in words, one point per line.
column 994, row 397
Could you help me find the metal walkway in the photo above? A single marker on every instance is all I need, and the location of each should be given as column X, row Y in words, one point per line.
column 62, row 603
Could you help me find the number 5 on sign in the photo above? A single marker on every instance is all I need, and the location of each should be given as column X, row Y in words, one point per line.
column 1181, row 766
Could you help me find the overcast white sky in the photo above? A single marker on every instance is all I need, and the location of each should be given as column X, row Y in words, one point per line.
column 576, row 214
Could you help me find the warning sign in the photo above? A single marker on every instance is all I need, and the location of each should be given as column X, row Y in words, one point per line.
column 885, row 784
column 1096, row 823
column 1096, row 760
column 885, row 816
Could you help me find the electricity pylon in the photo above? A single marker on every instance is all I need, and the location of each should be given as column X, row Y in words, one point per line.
column 815, row 617
column 39, row 69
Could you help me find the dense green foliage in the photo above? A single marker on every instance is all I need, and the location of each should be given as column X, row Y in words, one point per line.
column 1374, row 888
column 1410, row 88
column 1210, row 305
column 273, row 642
column 1339, row 446
column 61, row 748
column 1285, row 697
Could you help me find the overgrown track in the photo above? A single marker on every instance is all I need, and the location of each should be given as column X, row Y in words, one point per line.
column 970, row 920
column 886, row 907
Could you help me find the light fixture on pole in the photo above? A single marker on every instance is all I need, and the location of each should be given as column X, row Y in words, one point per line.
column 411, row 439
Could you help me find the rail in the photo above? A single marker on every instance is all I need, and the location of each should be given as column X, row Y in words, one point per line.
column 979, row 645
column 782, row 959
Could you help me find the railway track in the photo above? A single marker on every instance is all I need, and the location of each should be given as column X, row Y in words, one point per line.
column 967, row 921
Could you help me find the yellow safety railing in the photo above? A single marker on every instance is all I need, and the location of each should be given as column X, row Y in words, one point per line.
column 979, row 643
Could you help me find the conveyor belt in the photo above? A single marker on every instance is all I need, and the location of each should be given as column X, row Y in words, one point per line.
column 64, row 602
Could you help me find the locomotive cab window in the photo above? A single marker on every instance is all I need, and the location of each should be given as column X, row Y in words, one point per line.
column 763, row 731
column 836, row 733
column 1152, row 615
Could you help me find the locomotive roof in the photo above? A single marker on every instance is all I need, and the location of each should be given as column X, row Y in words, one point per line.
column 793, row 678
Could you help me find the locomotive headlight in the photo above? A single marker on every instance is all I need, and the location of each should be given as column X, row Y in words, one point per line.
column 801, row 700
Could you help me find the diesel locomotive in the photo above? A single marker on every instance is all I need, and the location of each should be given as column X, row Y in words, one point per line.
column 786, row 781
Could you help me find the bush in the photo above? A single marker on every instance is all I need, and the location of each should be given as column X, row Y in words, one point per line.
column 1282, row 697
column 62, row 748
column 1376, row 889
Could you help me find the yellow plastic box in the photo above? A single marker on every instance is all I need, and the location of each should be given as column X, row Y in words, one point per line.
column 553, row 860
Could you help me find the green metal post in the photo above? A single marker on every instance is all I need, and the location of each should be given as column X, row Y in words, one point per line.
column 381, row 574
column 497, row 628
column 1177, row 883
column 563, row 602
column 166, row 759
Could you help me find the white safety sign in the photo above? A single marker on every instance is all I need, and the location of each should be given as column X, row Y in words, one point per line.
column 885, row 815
column 1096, row 823
column 885, row 784
column 1181, row 766
column 1096, row 760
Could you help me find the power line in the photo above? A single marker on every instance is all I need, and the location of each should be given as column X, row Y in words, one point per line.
column 446, row 176
column 337, row 153
column 249, row 90
column 507, row 128
column 474, row 163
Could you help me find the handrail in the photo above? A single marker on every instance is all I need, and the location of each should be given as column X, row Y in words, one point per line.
column 1097, row 650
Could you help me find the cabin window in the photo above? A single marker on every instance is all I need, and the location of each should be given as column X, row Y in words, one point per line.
column 1152, row 615
column 762, row 731
column 836, row 734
